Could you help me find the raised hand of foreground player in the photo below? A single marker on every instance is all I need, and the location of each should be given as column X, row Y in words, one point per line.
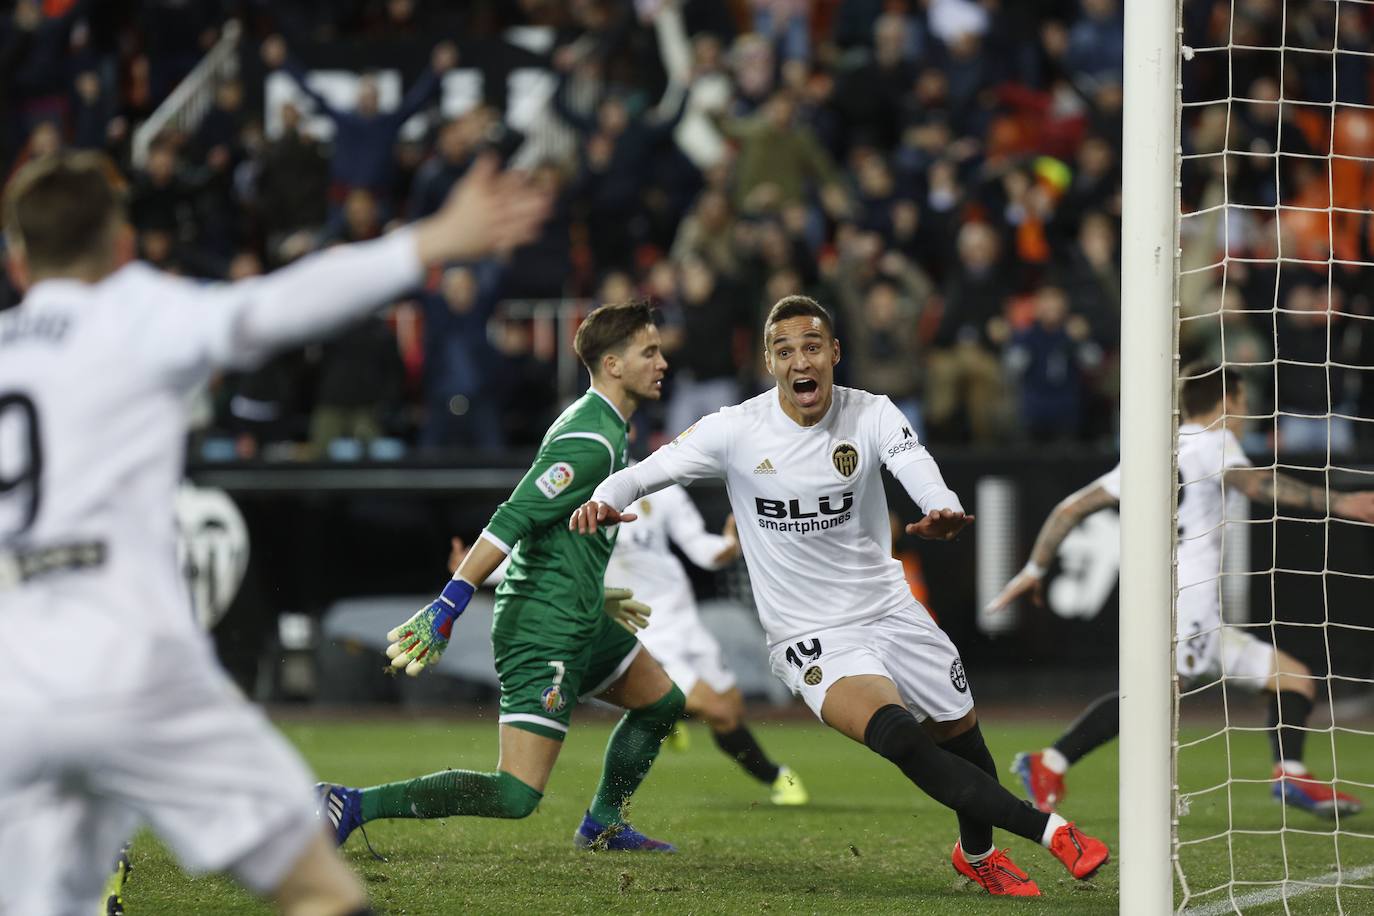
column 418, row 643
column 940, row 525
column 630, row 614
column 488, row 211
column 592, row 513
column 1029, row 580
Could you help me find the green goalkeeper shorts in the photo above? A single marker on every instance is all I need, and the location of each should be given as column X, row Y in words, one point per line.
column 542, row 682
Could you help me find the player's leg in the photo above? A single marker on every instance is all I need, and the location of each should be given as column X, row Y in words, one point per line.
column 652, row 703
column 692, row 659
column 724, row 714
column 1042, row 772
column 55, row 846
column 513, row 790
column 320, row 884
column 1291, row 691
column 538, row 692
column 868, row 709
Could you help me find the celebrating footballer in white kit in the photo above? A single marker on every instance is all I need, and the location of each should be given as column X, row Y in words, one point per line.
column 644, row 562
column 114, row 709
column 802, row 466
column 1210, row 464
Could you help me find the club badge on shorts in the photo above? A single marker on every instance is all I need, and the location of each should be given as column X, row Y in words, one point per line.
column 812, row 676
column 845, row 457
column 956, row 676
column 552, row 699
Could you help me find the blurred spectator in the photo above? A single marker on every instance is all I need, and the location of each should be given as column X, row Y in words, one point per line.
column 881, row 300
column 871, row 96
column 965, row 388
column 1091, row 275
column 453, row 153
column 707, row 324
column 1049, row 360
column 364, row 137
column 1309, row 334
column 359, row 388
column 292, row 181
column 779, row 161
column 1097, row 42
column 708, row 232
column 618, row 153
column 91, row 112
column 463, row 378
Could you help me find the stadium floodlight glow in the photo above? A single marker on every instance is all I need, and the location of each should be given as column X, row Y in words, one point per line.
column 1148, row 283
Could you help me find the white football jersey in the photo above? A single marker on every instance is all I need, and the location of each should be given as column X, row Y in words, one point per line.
column 93, row 404
column 1203, row 453
column 809, row 503
column 643, row 561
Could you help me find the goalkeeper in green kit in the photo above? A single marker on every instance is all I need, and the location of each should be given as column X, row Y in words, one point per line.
column 558, row 636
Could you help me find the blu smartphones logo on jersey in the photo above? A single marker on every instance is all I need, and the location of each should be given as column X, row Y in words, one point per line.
column 791, row 516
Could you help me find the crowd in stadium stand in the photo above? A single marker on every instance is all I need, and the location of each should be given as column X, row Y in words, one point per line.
column 943, row 174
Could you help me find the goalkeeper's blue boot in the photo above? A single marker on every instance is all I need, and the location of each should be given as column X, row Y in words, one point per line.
column 618, row 838
column 341, row 809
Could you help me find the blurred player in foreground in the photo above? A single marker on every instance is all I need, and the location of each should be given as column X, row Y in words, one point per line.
column 1210, row 460
column 95, row 365
column 644, row 563
column 555, row 631
column 802, row 464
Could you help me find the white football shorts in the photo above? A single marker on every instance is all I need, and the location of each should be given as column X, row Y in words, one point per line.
column 906, row 647
column 689, row 653
column 1207, row 648
column 191, row 759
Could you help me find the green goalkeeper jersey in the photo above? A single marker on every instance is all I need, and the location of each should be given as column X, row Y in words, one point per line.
column 552, row 591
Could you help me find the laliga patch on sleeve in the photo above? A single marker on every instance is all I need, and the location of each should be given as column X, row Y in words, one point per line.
column 684, row 434
column 555, row 480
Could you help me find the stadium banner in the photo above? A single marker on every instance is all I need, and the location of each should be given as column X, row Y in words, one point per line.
column 511, row 75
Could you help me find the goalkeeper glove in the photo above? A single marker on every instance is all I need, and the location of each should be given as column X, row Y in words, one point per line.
column 418, row 643
column 632, row 615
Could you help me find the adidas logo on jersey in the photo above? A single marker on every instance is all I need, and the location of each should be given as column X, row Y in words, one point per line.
column 765, row 467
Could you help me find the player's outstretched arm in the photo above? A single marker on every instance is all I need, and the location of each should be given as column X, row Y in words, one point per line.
column 1065, row 517
column 420, row 642
column 1265, row 485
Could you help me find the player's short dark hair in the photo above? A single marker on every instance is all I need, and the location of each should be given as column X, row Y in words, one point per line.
column 1202, row 385
column 797, row 307
column 608, row 328
column 60, row 209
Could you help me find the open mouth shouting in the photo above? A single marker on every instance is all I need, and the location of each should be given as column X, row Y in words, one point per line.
column 806, row 392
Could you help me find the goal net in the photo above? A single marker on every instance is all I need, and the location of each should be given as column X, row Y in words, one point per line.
column 1275, row 301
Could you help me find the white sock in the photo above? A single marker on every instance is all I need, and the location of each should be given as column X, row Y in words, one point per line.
column 1293, row 767
column 1054, row 761
column 974, row 860
column 1053, row 825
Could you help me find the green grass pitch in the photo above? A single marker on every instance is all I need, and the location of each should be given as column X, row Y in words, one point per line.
column 868, row 843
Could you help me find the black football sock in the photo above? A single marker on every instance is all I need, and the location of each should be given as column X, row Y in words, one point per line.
column 975, row 836
column 948, row 778
column 740, row 746
column 1098, row 724
column 1288, row 735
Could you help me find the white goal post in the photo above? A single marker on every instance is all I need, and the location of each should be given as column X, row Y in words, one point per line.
column 1149, row 184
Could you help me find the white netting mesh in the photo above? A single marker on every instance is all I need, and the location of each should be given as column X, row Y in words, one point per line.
column 1276, row 230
